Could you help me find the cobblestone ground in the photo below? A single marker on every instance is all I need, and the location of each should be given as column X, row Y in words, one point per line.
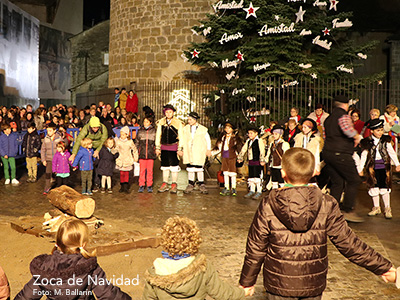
column 224, row 222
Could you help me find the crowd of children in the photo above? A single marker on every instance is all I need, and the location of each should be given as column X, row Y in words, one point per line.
column 169, row 139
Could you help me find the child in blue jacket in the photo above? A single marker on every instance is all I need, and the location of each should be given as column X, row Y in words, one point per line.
column 84, row 159
column 8, row 152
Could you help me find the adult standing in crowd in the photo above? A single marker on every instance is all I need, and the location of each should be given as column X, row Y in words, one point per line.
column 132, row 103
column 319, row 116
column 116, row 97
column 98, row 133
column 341, row 137
column 122, row 98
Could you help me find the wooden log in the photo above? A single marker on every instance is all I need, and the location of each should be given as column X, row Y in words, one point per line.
column 71, row 202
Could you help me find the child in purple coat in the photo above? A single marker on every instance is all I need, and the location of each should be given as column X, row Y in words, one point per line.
column 60, row 165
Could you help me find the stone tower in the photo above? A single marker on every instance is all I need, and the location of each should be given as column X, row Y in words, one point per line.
column 147, row 38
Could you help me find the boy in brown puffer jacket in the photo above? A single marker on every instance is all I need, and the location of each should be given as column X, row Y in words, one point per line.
column 182, row 273
column 289, row 236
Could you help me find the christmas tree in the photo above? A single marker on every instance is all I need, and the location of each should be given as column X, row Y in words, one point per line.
column 289, row 39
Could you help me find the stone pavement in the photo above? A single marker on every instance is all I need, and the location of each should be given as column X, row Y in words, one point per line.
column 224, row 222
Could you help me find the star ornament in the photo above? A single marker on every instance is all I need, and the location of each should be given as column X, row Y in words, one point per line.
column 333, row 4
column 300, row 15
column 195, row 53
column 251, row 11
column 239, row 56
column 326, row 31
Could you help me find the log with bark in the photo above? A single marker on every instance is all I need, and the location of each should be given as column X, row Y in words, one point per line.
column 70, row 201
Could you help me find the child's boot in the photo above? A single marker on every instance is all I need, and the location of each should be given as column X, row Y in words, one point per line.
column 141, row 189
column 189, row 189
column 174, row 188
column 163, row 188
column 256, row 196
column 388, row 213
column 224, row 192
column 376, row 210
column 149, row 189
column 249, row 194
column 203, row 189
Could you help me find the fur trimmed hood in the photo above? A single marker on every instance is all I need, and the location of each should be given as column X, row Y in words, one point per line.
column 59, row 265
column 178, row 282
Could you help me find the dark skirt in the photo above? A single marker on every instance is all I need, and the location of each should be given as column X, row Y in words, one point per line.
column 380, row 175
column 169, row 158
column 276, row 175
column 256, row 171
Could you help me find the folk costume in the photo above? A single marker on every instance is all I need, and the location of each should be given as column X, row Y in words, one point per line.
column 196, row 142
column 376, row 157
column 274, row 158
column 169, row 141
column 311, row 141
column 229, row 145
column 255, row 151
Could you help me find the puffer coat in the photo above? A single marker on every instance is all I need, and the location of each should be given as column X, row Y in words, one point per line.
column 289, row 236
column 31, row 144
column 68, row 276
column 145, row 142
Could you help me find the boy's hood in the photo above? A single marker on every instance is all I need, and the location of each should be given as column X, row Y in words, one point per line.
column 296, row 207
column 183, row 284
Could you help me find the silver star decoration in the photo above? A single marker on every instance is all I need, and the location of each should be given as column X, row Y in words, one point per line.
column 300, row 14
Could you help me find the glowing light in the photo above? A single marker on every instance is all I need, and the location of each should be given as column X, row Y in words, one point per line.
column 180, row 99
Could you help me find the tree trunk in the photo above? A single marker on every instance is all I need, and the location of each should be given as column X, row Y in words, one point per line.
column 70, row 201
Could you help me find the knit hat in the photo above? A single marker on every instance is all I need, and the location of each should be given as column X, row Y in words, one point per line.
column 94, row 122
column 341, row 99
column 125, row 130
column 194, row 115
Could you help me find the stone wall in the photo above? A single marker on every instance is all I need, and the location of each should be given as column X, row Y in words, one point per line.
column 88, row 72
column 146, row 40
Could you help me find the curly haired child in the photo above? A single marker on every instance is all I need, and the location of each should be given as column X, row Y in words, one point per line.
column 182, row 273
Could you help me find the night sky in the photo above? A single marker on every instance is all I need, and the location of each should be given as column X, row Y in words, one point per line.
column 95, row 11
column 369, row 15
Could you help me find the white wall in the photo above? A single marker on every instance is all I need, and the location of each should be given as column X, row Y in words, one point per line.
column 19, row 51
column 69, row 17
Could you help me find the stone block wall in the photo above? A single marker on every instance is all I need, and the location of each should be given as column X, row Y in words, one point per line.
column 147, row 38
column 88, row 48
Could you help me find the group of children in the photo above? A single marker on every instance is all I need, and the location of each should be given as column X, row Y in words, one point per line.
column 287, row 238
column 170, row 138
